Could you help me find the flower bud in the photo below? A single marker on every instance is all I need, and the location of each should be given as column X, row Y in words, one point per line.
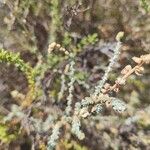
column 119, row 36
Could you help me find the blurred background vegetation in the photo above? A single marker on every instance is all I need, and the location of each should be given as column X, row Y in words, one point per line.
column 86, row 28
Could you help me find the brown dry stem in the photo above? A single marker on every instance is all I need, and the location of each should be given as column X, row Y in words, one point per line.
column 138, row 69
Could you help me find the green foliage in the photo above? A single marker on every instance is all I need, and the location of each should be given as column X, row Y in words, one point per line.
column 6, row 137
column 73, row 145
column 56, row 19
column 85, row 41
column 30, row 73
column 13, row 58
column 144, row 122
column 56, row 87
column 81, row 75
column 90, row 39
column 66, row 40
column 53, row 60
column 145, row 5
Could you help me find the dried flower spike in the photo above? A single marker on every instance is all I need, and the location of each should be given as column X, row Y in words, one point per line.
column 137, row 60
column 139, row 71
column 51, row 47
column 126, row 69
column 120, row 81
column 146, row 58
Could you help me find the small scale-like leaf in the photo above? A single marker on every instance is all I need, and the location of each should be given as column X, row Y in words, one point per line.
column 118, row 105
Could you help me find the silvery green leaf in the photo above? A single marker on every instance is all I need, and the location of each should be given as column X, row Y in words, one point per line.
column 118, row 105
